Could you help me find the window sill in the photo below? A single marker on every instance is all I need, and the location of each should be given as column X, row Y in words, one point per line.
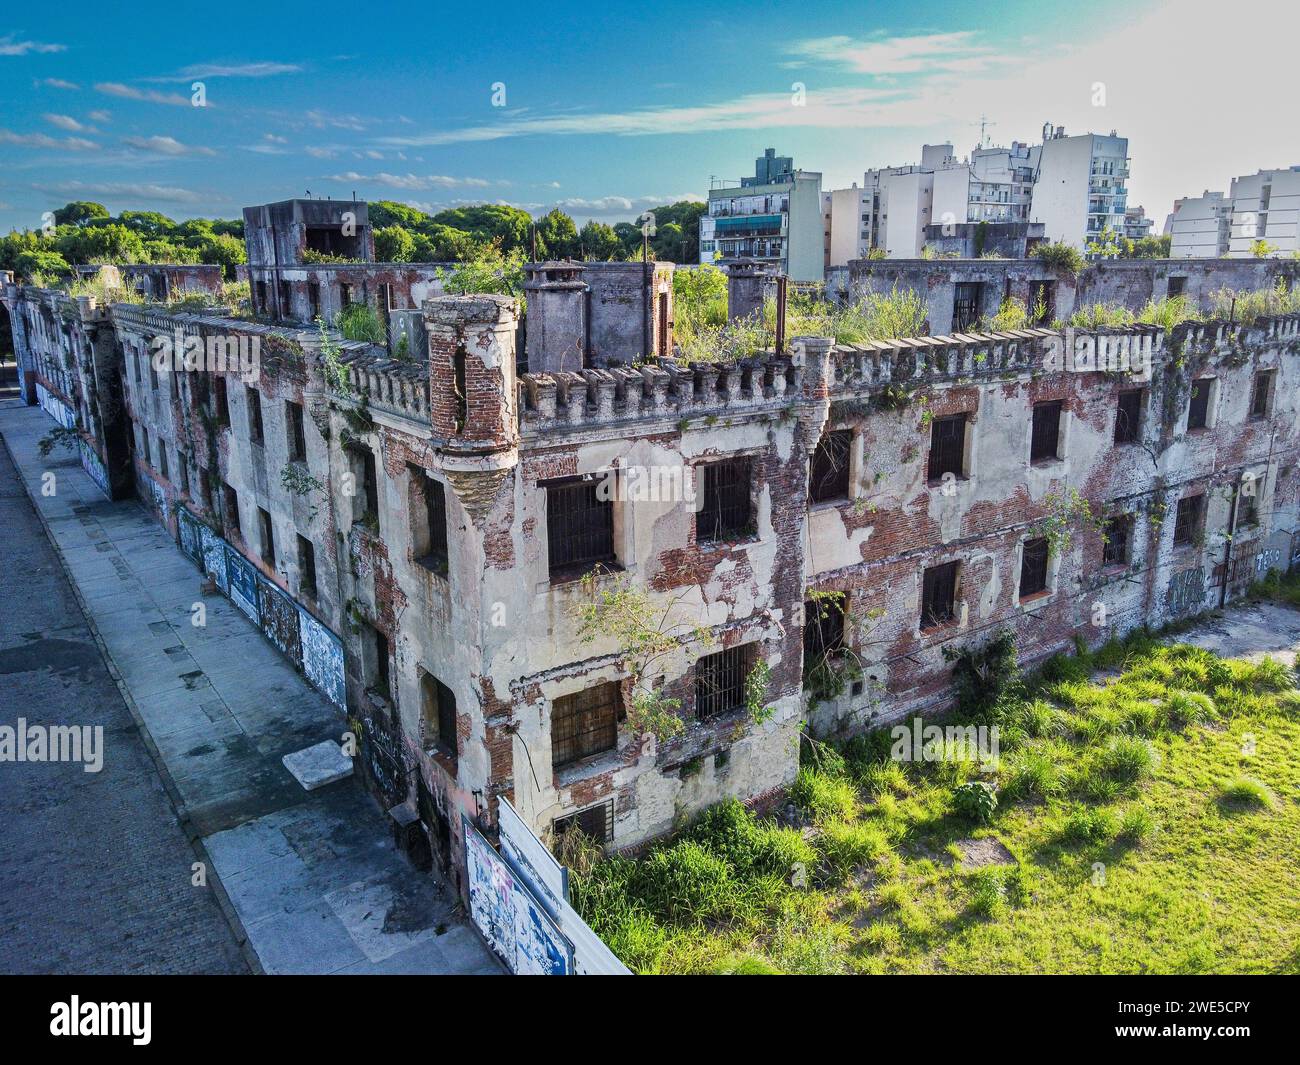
column 437, row 566
column 592, row 765
column 829, row 504
column 1052, row 460
column 952, row 624
column 568, row 577
column 720, row 546
column 1034, row 598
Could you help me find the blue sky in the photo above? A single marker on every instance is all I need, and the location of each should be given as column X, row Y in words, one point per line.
column 610, row 107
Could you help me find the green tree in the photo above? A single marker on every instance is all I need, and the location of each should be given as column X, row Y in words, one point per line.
column 599, row 241
column 149, row 224
column 557, row 236
column 79, row 212
column 394, row 244
column 43, row 262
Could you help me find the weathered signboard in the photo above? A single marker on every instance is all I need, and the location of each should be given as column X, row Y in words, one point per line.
column 511, row 919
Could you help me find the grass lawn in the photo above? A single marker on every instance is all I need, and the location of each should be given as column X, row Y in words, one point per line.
column 1147, row 820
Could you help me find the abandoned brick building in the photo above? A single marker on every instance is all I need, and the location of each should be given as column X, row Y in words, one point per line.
column 409, row 522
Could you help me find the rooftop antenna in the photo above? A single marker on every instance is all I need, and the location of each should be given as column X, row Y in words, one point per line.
column 984, row 126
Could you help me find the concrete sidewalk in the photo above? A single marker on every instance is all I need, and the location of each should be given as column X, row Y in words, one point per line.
column 313, row 877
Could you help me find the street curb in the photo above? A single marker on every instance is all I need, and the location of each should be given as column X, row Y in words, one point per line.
column 169, row 785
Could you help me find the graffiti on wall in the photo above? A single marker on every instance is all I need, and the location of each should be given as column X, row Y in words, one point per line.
column 280, row 621
column 322, row 658
column 242, row 579
column 1187, row 590
column 511, row 919
column 63, row 414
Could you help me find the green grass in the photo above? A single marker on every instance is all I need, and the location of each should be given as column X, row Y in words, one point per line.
column 1151, row 819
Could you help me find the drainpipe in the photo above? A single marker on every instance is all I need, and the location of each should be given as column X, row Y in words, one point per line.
column 646, row 274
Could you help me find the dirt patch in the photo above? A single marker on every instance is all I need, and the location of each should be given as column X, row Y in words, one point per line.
column 986, row 851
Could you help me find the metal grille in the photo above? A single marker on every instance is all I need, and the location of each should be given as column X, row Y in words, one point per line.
column 830, row 467
column 1198, row 408
column 1188, row 520
column 1128, row 415
column 595, row 822
column 1259, row 398
column 823, row 630
column 579, row 526
column 966, row 306
column 1033, row 567
column 938, row 594
column 947, row 446
column 720, row 682
column 1115, row 550
column 1047, row 431
column 726, row 513
column 584, row 724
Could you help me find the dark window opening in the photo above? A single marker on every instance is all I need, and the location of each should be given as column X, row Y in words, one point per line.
column 939, row 595
column 297, row 431
column 307, row 567
column 462, row 399
column 345, row 295
column 254, row 415
column 162, row 459
column 584, row 724
column 286, row 300
column 1118, row 533
column 268, row 537
column 829, row 473
column 579, row 526
column 1198, row 407
column 369, row 486
column 1033, row 567
column 379, row 678
column 1045, row 439
column 1260, row 396
column 230, row 507
column 260, row 294
column 720, row 682
column 947, row 447
column 221, row 409
column 1042, row 301
column 1176, row 286
column 823, row 629
column 595, row 822
column 438, row 715
column 331, row 240
column 966, row 306
column 1188, row 522
column 1128, row 416
column 1249, row 508
column 431, row 541
column 726, row 512
column 313, row 298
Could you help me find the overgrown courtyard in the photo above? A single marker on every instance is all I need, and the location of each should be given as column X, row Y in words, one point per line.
column 1142, row 818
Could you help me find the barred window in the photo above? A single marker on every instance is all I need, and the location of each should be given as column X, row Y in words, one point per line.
column 595, row 822
column 1044, row 442
column 1033, row 567
column 1188, row 522
column 966, row 306
column 1118, row 532
column 1128, row 416
column 433, row 538
column 720, row 682
column 726, row 511
column 947, row 447
column 829, row 475
column 584, row 724
column 939, row 595
column 579, row 526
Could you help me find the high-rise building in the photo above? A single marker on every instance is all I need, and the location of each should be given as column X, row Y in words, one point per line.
column 1265, row 207
column 1079, row 192
column 776, row 216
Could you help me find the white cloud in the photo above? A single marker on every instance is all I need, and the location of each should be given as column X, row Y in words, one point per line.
column 411, row 182
column 99, row 116
column 128, row 92
column 9, row 45
column 160, row 145
column 43, row 140
column 921, row 54
column 57, row 83
column 126, row 191
column 67, row 122
column 232, row 70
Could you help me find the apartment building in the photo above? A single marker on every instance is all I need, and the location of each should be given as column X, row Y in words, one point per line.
column 422, row 535
column 1200, row 226
column 1265, row 207
column 1080, row 189
column 776, row 217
